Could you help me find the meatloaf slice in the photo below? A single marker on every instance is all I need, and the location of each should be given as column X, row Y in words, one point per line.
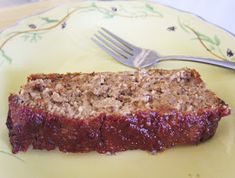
column 149, row 109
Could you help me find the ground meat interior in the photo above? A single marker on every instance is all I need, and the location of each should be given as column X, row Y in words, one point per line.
column 79, row 96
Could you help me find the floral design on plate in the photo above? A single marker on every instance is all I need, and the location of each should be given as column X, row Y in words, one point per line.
column 35, row 31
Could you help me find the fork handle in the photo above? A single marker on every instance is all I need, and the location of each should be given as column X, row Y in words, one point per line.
column 225, row 64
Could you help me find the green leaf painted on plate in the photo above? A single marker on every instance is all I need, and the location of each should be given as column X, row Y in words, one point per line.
column 93, row 5
column 25, row 37
column 32, row 37
column 108, row 15
column 48, row 20
column 182, row 25
column 150, row 8
column 217, row 40
column 5, row 56
column 221, row 53
column 35, row 37
column 211, row 47
column 12, row 155
column 205, row 38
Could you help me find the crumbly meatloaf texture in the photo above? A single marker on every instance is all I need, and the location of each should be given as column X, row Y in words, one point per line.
column 149, row 109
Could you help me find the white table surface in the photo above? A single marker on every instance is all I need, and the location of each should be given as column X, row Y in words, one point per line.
column 219, row 12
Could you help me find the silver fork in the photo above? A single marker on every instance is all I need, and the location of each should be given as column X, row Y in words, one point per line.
column 137, row 57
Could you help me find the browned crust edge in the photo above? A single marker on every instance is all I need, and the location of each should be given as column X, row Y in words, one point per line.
column 145, row 130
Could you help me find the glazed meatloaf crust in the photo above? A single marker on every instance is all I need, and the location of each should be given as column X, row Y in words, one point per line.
column 149, row 109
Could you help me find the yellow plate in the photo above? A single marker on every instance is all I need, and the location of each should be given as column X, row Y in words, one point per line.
column 59, row 41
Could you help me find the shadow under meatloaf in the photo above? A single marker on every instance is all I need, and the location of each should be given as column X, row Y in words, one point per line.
column 136, row 118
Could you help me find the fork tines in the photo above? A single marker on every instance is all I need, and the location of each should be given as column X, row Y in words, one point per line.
column 113, row 45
